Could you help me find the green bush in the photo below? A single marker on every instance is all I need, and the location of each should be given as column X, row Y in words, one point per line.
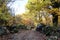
column 2, row 31
column 54, row 31
column 15, row 30
column 22, row 27
column 12, row 29
column 52, row 38
column 47, row 31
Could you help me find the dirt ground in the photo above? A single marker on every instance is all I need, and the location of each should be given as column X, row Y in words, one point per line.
column 24, row 35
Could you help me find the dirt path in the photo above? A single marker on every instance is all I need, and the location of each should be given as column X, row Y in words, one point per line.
column 25, row 35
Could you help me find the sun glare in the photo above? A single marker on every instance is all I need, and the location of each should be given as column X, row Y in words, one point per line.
column 19, row 6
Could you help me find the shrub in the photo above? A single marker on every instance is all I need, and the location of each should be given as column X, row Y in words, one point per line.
column 47, row 30
column 22, row 27
column 52, row 38
column 12, row 29
column 2, row 31
column 29, row 27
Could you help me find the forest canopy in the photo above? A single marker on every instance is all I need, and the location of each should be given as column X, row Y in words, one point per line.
column 5, row 16
column 34, row 7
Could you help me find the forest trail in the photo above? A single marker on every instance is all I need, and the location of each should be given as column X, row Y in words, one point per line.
column 25, row 35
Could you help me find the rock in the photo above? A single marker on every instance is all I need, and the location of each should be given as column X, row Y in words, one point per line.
column 58, row 30
column 39, row 27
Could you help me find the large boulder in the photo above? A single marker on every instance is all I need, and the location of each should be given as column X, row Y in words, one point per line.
column 58, row 30
column 39, row 27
